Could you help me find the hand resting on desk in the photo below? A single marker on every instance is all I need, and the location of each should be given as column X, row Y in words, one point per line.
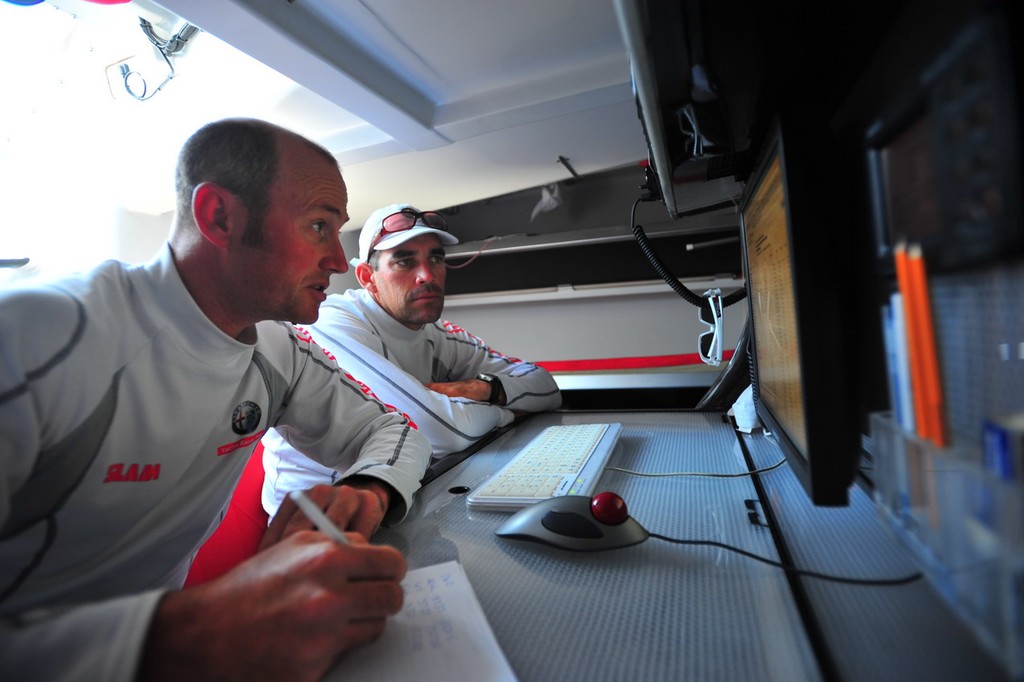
column 473, row 389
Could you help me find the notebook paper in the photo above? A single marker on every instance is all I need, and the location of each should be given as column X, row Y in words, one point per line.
column 441, row 633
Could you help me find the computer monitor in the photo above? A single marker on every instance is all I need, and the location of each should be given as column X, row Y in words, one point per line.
column 796, row 292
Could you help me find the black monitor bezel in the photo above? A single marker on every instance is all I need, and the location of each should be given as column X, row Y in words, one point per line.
column 820, row 291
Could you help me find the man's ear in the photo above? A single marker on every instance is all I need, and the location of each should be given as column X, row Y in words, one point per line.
column 364, row 275
column 217, row 212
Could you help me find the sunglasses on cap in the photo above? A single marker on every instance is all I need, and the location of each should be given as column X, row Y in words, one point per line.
column 709, row 343
column 406, row 219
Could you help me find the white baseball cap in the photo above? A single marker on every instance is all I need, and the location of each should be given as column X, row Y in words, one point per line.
column 375, row 224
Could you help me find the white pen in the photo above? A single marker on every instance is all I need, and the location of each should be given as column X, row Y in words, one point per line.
column 318, row 518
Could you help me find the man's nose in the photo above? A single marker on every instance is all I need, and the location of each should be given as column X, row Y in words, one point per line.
column 425, row 273
column 335, row 260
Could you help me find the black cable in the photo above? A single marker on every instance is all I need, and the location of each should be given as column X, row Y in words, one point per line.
column 876, row 582
column 880, row 582
column 657, row 264
column 659, row 267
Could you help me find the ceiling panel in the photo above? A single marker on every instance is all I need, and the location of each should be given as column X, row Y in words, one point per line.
column 439, row 102
column 461, row 99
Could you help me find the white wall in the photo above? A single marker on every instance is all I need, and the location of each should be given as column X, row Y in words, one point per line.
column 635, row 320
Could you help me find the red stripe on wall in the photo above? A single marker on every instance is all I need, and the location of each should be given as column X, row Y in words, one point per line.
column 648, row 362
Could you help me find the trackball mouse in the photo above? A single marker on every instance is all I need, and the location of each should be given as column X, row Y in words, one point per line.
column 576, row 522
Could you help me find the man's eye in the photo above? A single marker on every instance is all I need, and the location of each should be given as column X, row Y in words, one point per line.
column 319, row 227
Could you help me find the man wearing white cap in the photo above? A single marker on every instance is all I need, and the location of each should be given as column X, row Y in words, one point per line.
column 452, row 385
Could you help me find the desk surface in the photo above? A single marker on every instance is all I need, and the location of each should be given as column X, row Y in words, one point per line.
column 659, row 611
column 869, row 633
column 654, row 611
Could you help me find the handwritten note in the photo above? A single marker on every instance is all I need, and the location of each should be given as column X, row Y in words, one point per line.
column 440, row 634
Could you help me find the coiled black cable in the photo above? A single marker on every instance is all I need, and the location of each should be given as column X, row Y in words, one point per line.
column 673, row 282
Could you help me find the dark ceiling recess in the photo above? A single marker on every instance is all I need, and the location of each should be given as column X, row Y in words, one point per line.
column 594, row 263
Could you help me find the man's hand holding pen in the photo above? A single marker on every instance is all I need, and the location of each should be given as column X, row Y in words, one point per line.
column 309, row 595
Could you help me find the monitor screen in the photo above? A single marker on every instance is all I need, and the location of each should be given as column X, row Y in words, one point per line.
column 795, row 295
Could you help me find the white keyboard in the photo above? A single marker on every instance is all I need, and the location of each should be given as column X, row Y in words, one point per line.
column 566, row 459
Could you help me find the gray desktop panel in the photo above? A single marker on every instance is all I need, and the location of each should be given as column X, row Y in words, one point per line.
column 653, row 611
column 871, row 632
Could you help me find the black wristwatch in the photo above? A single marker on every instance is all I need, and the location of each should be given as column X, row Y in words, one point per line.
column 495, row 385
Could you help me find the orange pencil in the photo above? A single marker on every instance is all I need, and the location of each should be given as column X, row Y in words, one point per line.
column 910, row 318
column 931, row 380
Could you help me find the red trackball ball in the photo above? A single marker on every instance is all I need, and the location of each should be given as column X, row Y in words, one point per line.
column 609, row 508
